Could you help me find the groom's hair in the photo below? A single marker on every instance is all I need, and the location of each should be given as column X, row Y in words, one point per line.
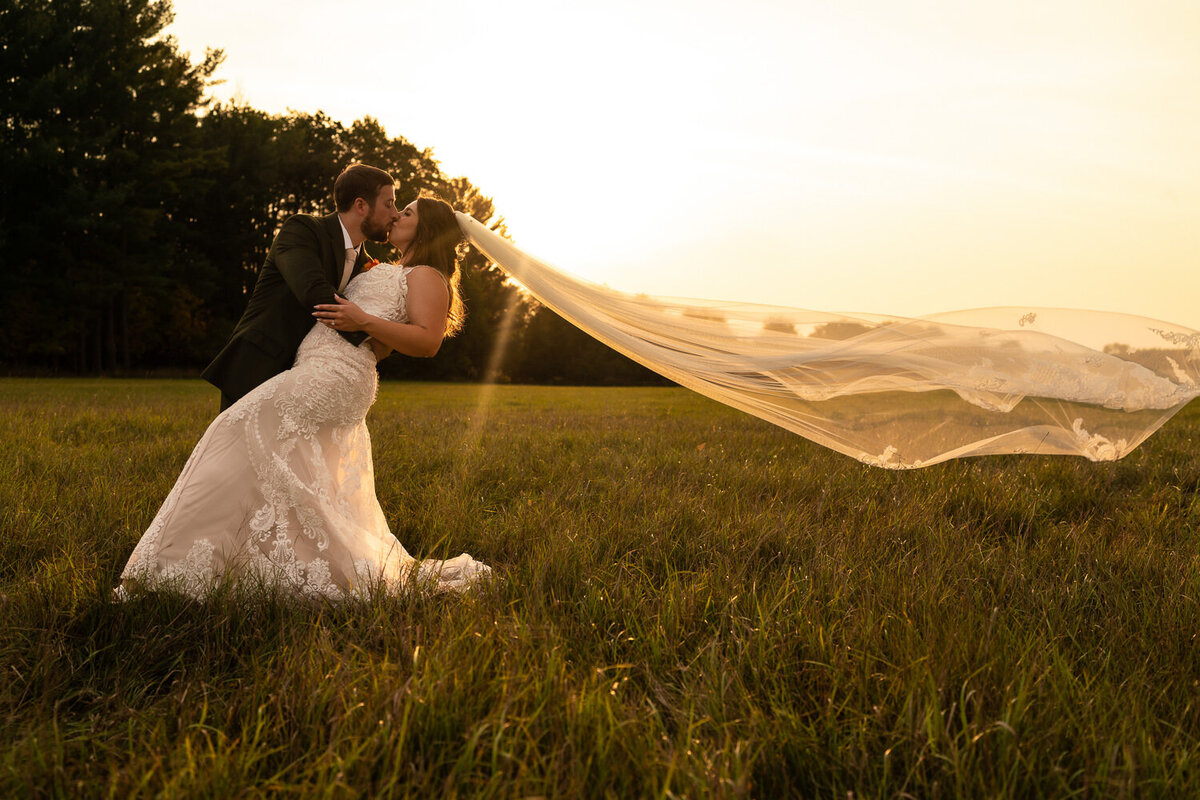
column 359, row 180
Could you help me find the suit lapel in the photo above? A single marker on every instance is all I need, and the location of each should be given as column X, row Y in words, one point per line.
column 333, row 227
column 335, row 262
column 361, row 261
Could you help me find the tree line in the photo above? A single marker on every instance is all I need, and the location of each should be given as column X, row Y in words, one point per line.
column 136, row 210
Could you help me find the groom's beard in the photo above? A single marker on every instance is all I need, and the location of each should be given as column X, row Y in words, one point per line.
column 374, row 230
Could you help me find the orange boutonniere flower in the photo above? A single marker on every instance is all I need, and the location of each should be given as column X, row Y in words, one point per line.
column 371, row 263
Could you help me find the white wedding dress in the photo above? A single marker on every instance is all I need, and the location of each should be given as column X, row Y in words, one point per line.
column 281, row 488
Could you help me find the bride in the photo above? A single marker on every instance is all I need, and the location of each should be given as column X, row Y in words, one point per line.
column 281, row 488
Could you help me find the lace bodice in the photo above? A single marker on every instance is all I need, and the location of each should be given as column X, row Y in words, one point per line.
column 381, row 292
column 336, row 380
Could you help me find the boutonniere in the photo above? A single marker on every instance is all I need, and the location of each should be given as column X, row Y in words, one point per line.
column 371, row 263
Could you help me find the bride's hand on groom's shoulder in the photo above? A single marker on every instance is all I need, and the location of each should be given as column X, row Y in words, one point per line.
column 341, row 315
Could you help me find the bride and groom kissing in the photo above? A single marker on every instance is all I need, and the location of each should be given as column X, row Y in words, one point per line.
column 280, row 488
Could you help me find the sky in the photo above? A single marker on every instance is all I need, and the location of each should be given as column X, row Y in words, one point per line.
column 888, row 156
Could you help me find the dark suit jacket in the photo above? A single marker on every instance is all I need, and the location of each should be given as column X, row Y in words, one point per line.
column 303, row 268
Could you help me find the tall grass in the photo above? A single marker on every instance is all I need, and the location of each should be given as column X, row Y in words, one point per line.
column 690, row 603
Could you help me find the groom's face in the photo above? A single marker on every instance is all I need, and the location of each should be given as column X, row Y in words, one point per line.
column 382, row 216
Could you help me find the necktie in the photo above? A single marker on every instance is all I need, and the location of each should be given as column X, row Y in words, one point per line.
column 351, row 257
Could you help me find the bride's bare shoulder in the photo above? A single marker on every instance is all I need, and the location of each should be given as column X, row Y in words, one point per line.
column 423, row 274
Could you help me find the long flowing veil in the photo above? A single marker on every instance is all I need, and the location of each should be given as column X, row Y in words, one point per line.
column 891, row 391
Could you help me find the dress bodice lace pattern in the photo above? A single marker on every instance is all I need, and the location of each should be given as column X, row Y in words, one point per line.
column 281, row 487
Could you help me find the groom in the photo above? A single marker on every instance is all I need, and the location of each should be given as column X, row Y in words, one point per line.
column 310, row 259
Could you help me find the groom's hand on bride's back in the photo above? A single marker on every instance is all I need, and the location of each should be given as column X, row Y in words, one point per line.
column 382, row 351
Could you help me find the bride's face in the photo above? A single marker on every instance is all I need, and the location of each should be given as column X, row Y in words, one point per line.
column 404, row 230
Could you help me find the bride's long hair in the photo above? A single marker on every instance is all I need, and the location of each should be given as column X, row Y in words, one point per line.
column 435, row 244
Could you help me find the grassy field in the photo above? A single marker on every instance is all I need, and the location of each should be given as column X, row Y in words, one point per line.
column 691, row 603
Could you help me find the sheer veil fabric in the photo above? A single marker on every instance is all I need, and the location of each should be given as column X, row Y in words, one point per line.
column 896, row 392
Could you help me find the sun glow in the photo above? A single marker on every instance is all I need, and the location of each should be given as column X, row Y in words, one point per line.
column 487, row 388
column 866, row 156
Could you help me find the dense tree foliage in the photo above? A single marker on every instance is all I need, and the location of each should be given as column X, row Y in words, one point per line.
column 98, row 141
column 136, row 211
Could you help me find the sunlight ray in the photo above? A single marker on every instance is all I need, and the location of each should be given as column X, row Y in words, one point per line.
column 487, row 387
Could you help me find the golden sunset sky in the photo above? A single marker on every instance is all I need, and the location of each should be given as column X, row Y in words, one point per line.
column 889, row 156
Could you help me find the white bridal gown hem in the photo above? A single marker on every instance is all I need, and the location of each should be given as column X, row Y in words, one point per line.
column 280, row 490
